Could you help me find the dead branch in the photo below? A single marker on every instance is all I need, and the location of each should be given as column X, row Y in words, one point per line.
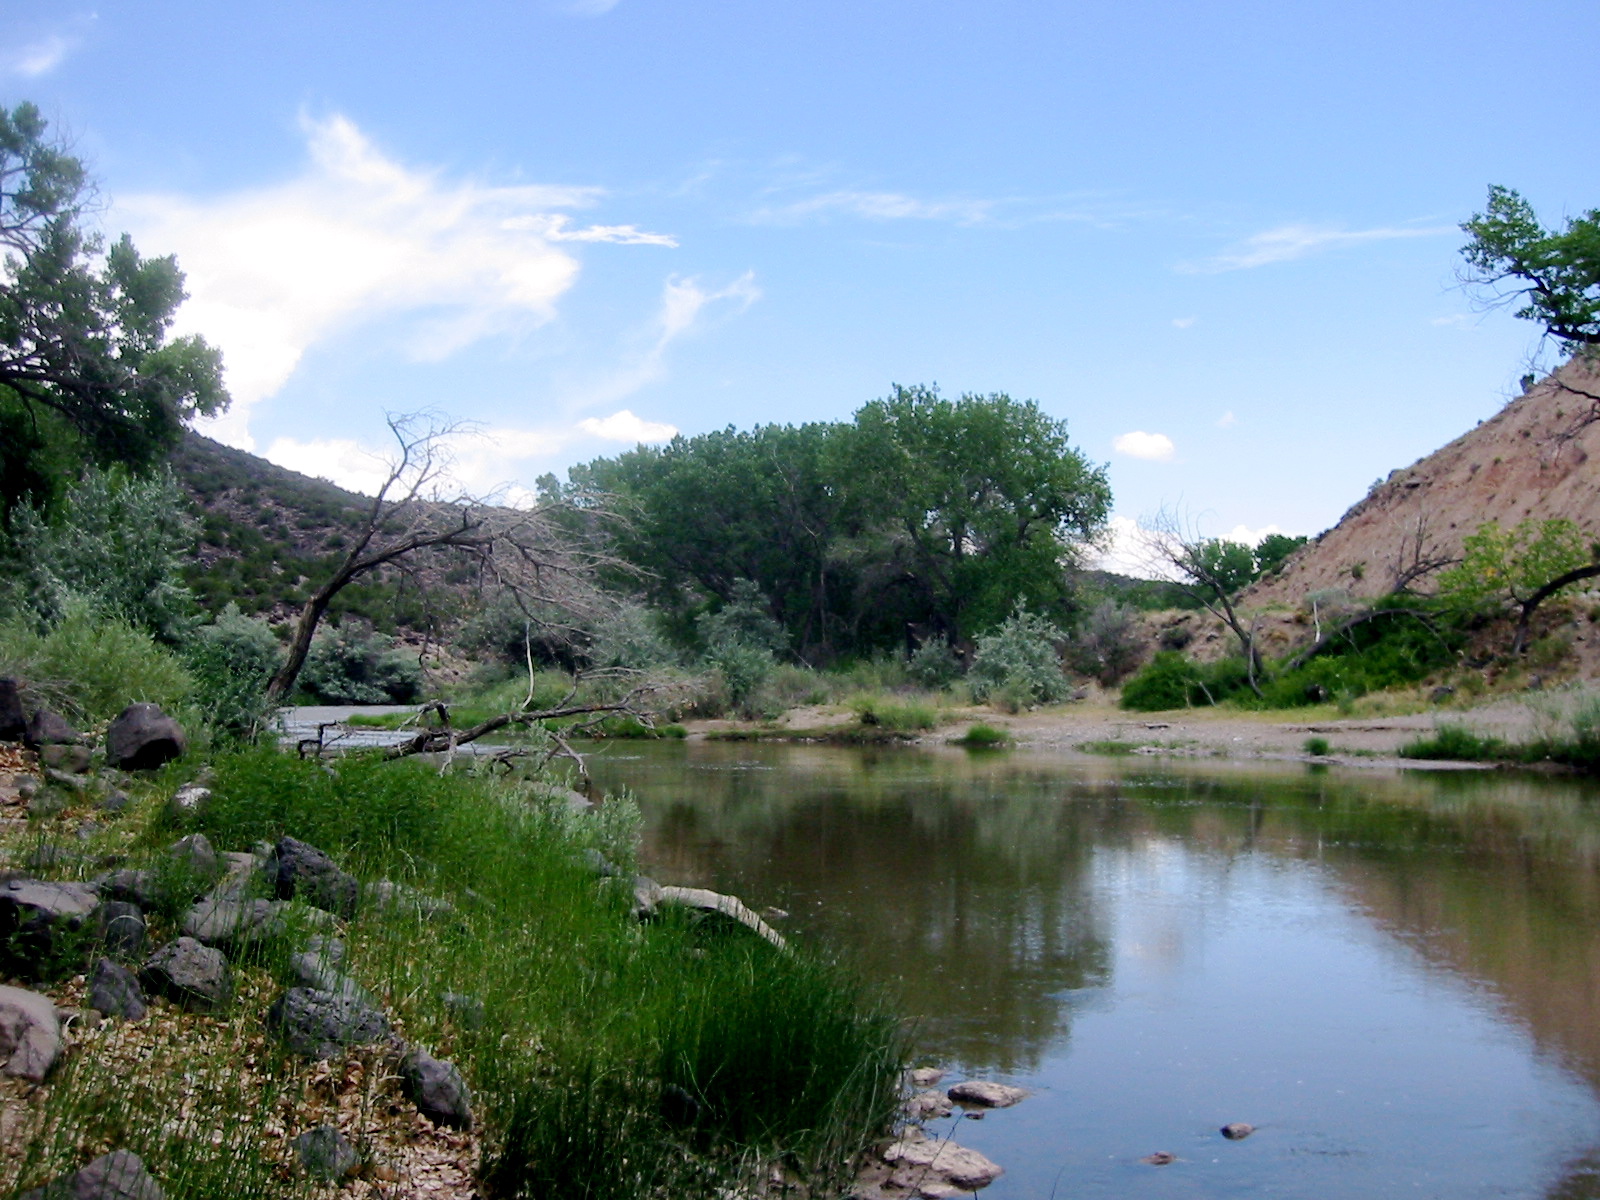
column 1418, row 557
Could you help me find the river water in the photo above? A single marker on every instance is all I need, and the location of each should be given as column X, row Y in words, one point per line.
column 1394, row 976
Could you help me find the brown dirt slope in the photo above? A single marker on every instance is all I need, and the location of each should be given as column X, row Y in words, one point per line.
column 1538, row 457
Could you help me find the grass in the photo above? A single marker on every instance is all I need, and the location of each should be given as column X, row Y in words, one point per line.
column 590, row 1017
column 1317, row 747
column 981, row 736
column 895, row 714
column 1109, row 746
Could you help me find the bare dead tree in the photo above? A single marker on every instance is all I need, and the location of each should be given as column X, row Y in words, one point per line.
column 1418, row 557
column 1173, row 547
column 541, row 555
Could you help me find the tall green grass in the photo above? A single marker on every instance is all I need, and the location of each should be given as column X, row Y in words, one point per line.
column 595, row 1027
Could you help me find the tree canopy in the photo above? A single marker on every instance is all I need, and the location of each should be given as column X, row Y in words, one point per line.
column 1554, row 274
column 924, row 517
column 87, row 370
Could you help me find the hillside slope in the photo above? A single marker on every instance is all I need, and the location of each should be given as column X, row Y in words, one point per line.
column 1535, row 458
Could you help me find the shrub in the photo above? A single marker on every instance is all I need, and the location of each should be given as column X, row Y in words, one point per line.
column 349, row 664
column 740, row 640
column 901, row 716
column 981, row 737
column 1454, row 742
column 231, row 661
column 1107, row 646
column 1166, row 682
column 1019, row 662
column 934, row 664
column 1317, row 747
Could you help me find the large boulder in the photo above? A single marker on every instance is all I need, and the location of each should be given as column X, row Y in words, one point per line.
column 30, row 1034
column 305, row 873
column 119, row 1175
column 42, row 926
column 189, row 974
column 114, row 990
column 13, row 725
column 318, row 1024
column 142, row 737
column 437, row 1089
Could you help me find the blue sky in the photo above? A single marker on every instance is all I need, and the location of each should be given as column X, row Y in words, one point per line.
column 1218, row 239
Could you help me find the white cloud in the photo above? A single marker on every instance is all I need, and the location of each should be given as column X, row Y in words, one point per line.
column 1288, row 242
column 1183, row 322
column 1126, row 549
column 1246, row 536
column 623, row 426
column 1452, row 319
column 40, row 57
column 275, row 270
column 1227, row 420
column 877, row 206
column 1156, row 447
column 338, row 460
column 591, row 8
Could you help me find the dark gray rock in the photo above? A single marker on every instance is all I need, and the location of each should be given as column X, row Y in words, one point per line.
column 325, row 1153
column 315, row 971
column 219, row 922
column 43, row 926
column 46, row 728
column 26, row 786
column 437, row 1089
column 114, row 990
column 115, row 801
column 67, row 757
column 73, row 783
column 465, row 1010
column 305, row 873
column 388, row 897
column 318, row 1023
column 142, row 737
column 122, row 929
column 242, row 877
column 136, row 886
column 330, row 949
column 189, row 974
column 194, row 853
column 13, row 725
column 119, row 1175
column 30, row 1034
column 45, row 803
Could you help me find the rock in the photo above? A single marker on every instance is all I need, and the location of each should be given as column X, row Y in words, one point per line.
column 924, row 1077
column 189, row 801
column 119, row 1175
column 235, row 922
column 114, row 990
column 986, row 1094
column 30, row 1034
column 328, row 948
column 122, row 929
column 927, row 1106
column 1161, row 1158
column 306, row 873
column 1441, row 694
column 68, row 757
column 46, row 728
column 26, row 786
column 137, row 886
column 317, row 1023
column 73, row 783
column 115, row 801
column 437, row 1089
column 646, row 897
column 679, row 1108
column 387, row 896
column 46, row 802
column 314, row 971
column 599, row 864
column 1237, row 1131
column 191, row 975
column 195, row 854
column 41, row 925
column 50, row 854
column 242, row 877
column 959, row 1168
column 711, row 903
column 466, row 1011
column 13, row 725
column 326, row 1153
column 142, row 737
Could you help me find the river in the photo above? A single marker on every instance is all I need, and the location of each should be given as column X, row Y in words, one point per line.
column 1395, row 976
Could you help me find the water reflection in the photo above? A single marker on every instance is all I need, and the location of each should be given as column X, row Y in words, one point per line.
column 1403, row 970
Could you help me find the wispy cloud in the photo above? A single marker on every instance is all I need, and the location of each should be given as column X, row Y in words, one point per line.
column 31, row 59
column 876, row 206
column 1227, row 420
column 1457, row 319
column 1286, row 243
column 1154, row 447
column 356, row 236
column 1184, row 322
column 591, row 8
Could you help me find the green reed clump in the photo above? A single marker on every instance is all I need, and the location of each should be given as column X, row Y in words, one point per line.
column 895, row 714
column 1456, row 742
column 981, row 737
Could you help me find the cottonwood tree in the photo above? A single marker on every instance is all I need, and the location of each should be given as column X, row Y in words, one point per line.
column 543, row 557
column 1521, row 568
column 1205, row 572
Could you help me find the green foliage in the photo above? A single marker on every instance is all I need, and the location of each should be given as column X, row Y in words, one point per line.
column 1107, row 645
column 1555, row 275
column 1170, row 680
column 1273, row 550
column 116, row 541
column 894, row 714
column 1317, row 747
column 231, row 660
column 982, row 737
column 1454, row 742
column 1020, row 658
column 934, row 664
column 740, row 640
column 1500, row 566
column 1231, row 564
column 90, row 665
column 83, row 327
column 349, row 664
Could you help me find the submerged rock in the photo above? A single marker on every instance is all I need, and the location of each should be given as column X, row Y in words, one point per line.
column 985, row 1093
column 927, row 1105
column 1237, row 1131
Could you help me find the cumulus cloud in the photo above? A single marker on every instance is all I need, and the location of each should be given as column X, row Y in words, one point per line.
column 623, row 426
column 1126, row 549
column 1246, row 536
column 357, row 236
column 1156, row 447
column 876, row 206
column 1288, row 242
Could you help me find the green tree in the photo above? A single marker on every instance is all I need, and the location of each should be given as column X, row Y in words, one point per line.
column 1521, row 568
column 87, row 371
column 1554, row 275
